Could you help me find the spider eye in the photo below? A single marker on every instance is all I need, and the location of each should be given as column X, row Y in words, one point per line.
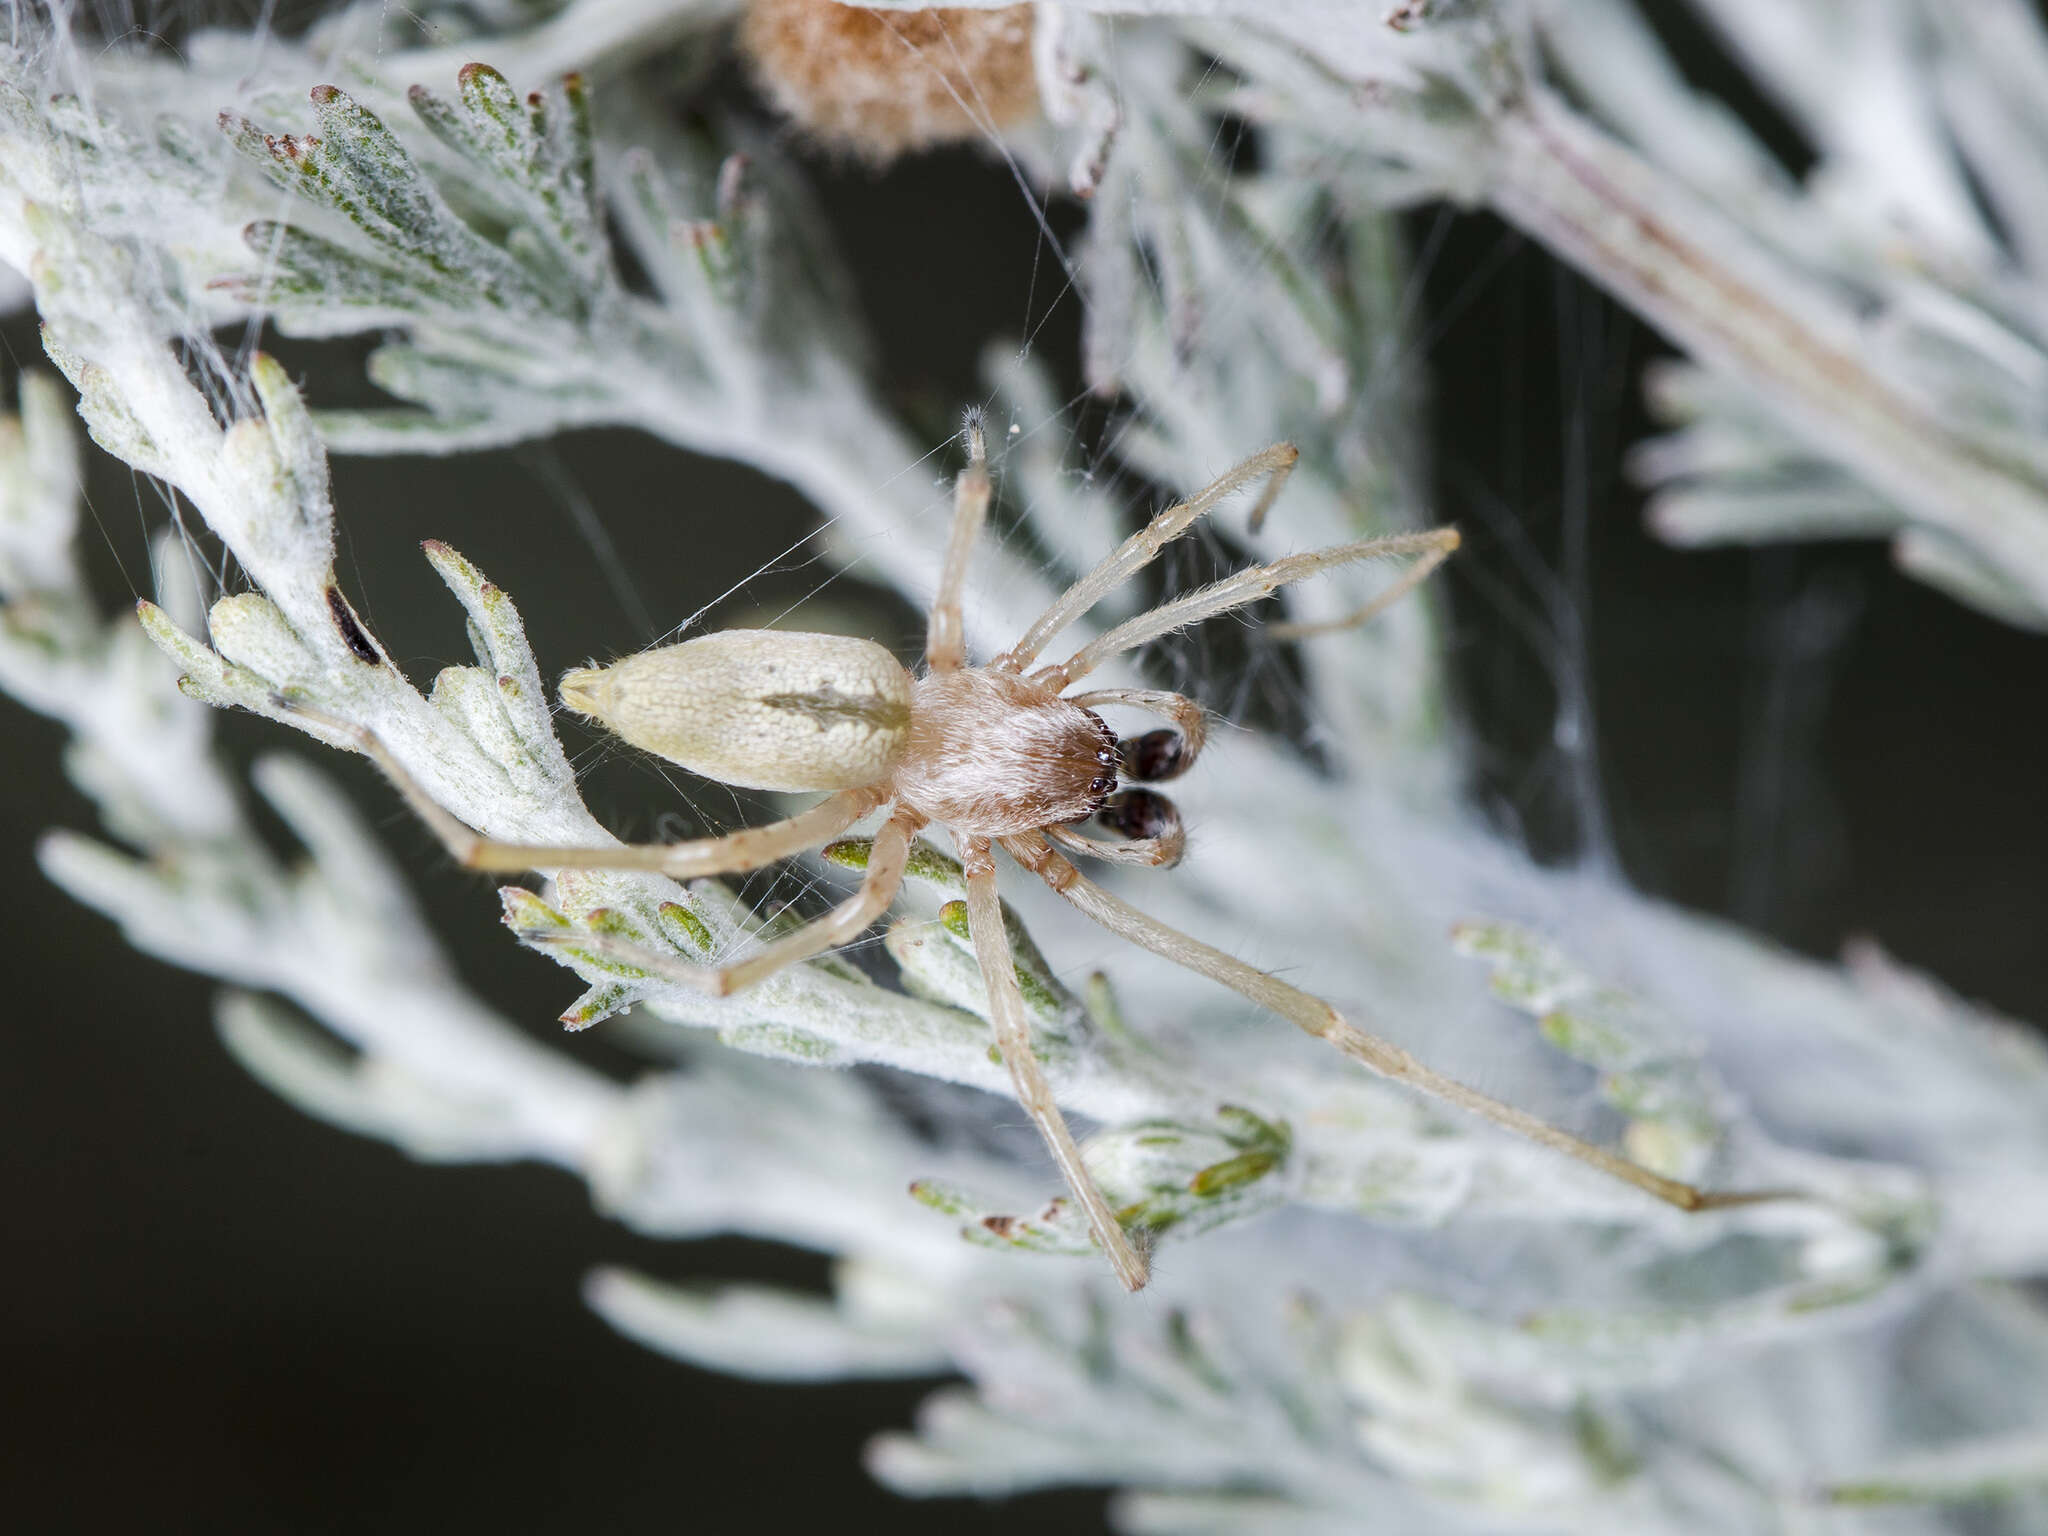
column 1138, row 814
column 1155, row 757
column 1101, row 784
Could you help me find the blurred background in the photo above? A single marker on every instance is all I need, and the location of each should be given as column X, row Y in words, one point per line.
column 221, row 1315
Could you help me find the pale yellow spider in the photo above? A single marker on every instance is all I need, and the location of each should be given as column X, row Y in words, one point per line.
column 996, row 754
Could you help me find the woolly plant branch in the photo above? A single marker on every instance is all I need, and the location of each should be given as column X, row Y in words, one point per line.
column 1498, row 1334
column 1916, row 380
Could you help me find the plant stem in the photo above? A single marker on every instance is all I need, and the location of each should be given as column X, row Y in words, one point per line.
column 1737, row 308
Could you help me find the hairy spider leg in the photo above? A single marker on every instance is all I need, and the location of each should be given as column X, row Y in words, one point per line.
column 843, row 924
column 1274, row 464
column 1444, row 545
column 1247, row 586
column 1013, row 1040
column 1318, row 1018
column 749, row 848
column 945, row 644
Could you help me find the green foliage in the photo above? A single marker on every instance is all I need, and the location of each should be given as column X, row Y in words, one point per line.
column 1159, row 1176
column 1649, row 1069
column 547, row 257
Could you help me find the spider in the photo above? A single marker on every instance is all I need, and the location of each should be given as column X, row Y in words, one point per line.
column 998, row 755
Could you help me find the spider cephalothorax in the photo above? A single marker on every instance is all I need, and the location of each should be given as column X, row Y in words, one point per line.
column 996, row 755
column 992, row 754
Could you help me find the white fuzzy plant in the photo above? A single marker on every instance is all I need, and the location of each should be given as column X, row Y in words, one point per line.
column 1368, row 1313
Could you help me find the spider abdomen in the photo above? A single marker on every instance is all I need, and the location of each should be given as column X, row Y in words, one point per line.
column 992, row 754
column 759, row 708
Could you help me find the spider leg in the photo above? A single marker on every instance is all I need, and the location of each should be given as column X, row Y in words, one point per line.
column 1318, row 1018
column 1410, row 579
column 1247, row 586
column 945, row 644
column 1272, row 464
column 843, row 924
column 749, row 848
column 1013, row 1039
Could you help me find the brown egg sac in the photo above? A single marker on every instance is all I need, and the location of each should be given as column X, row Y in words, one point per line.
column 880, row 83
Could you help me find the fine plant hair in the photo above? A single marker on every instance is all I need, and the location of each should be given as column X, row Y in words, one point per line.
column 1335, row 1345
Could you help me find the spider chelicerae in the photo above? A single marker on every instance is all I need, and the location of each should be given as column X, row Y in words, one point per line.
column 999, row 755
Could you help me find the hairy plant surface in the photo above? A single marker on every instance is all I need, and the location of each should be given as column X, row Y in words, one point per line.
column 518, row 218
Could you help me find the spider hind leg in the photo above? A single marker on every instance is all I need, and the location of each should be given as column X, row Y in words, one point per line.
column 1013, row 1041
column 844, row 923
column 733, row 853
column 1316, row 1017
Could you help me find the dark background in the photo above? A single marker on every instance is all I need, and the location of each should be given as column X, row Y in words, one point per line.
column 221, row 1315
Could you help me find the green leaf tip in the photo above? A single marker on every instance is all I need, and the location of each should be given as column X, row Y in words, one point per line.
column 243, row 134
column 681, row 920
column 943, row 1198
column 848, row 852
column 953, row 918
column 462, row 578
column 597, row 1005
column 524, row 910
column 1246, row 1129
column 926, row 864
column 270, row 378
column 1233, row 1173
column 452, row 566
column 610, row 922
column 1586, row 1037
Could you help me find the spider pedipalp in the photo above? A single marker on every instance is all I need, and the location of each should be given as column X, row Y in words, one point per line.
column 1155, row 757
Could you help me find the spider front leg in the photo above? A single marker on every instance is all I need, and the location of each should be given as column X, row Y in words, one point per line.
column 1248, row 586
column 1318, row 1018
column 1440, row 545
column 945, row 644
column 843, row 924
column 1013, row 1040
column 1272, row 464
